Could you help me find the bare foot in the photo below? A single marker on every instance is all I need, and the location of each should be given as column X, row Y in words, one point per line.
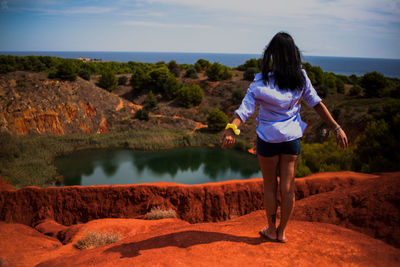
column 268, row 233
column 281, row 235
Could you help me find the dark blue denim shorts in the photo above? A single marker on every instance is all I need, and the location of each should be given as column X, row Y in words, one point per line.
column 266, row 149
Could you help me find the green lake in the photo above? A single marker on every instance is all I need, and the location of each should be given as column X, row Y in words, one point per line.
column 194, row 165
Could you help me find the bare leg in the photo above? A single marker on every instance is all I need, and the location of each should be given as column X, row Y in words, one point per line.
column 287, row 170
column 268, row 167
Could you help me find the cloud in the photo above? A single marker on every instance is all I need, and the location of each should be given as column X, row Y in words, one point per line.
column 164, row 25
column 349, row 10
column 71, row 11
column 4, row 5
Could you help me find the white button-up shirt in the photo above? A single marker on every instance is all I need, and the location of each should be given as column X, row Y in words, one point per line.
column 279, row 116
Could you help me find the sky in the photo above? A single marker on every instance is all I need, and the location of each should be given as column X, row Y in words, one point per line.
column 344, row 28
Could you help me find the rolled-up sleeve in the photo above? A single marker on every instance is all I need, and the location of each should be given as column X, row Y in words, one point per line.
column 310, row 95
column 248, row 105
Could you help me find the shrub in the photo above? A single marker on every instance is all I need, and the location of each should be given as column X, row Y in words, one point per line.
column 142, row 114
column 217, row 120
column 151, row 101
column 122, row 80
column 356, row 90
column 97, row 239
column 189, row 96
column 249, row 73
column 139, row 78
column 251, row 63
column 395, row 92
column 157, row 79
column 173, row 65
column 373, row 84
column 108, row 81
column 171, row 87
column 174, row 68
column 218, row 72
column 66, row 71
column 191, row 73
column 176, row 72
column 201, row 64
column 158, row 213
column 237, row 96
column 52, row 75
column 354, row 79
column 378, row 149
column 339, row 86
column 84, row 74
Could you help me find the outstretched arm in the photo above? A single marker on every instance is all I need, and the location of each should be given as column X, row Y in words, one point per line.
column 341, row 138
column 228, row 138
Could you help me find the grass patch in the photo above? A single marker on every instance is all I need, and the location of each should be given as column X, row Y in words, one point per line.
column 97, row 239
column 158, row 213
column 29, row 160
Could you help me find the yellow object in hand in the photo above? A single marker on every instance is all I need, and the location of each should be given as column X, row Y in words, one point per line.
column 233, row 127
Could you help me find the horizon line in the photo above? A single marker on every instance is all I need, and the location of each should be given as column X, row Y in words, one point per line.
column 172, row 52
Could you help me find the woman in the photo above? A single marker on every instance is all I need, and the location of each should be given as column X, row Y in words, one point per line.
column 278, row 89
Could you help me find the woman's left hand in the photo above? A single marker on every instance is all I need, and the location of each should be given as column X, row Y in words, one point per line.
column 228, row 138
column 341, row 139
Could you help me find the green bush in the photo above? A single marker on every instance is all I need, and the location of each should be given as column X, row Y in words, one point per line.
column 142, row 114
column 379, row 148
column 201, row 64
column 251, row 63
column 356, row 90
column 171, row 87
column 84, row 74
column 139, row 78
column 217, row 120
column 237, row 96
column 218, row 72
column 373, row 83
column 108, row 81
column 191, row 73
column 189, row 96
column 151, row 101
column 157, row 79
column 66, row 71
column 339, row 86
column 174, row 68
column 324, row 157
column 249, row 73
column 122, row 80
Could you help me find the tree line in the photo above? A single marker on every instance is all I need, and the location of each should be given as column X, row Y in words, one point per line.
column 376, row 150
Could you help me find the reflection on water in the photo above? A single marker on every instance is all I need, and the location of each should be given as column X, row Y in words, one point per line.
column 181, row 165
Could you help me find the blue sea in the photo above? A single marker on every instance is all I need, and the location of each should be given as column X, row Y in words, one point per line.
column 338, row 65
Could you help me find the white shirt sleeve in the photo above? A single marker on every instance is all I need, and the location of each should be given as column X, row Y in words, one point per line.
column 309, row 94
column 248, row 105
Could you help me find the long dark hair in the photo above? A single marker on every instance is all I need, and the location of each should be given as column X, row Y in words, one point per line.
column 282, row 57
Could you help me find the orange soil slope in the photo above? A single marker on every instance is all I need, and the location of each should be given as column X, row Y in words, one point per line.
column 371, row 207
column 366, row 203
column 172, row 242
column 193, row 203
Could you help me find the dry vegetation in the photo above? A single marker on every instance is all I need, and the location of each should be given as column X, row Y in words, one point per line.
column 97, row 239
column 158, row 213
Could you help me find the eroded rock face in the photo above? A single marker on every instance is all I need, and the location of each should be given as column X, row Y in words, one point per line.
column 32, row 104
column 366, row 203
column 193, row 203
column 371, row 207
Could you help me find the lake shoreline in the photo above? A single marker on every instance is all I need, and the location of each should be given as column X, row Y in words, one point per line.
column 33, row 163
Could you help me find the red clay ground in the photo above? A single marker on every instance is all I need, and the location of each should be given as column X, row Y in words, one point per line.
column 172, row 242
column 369, row 204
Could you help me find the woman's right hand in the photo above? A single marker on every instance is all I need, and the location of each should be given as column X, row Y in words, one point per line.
column 228, row 138
column 341, row 139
